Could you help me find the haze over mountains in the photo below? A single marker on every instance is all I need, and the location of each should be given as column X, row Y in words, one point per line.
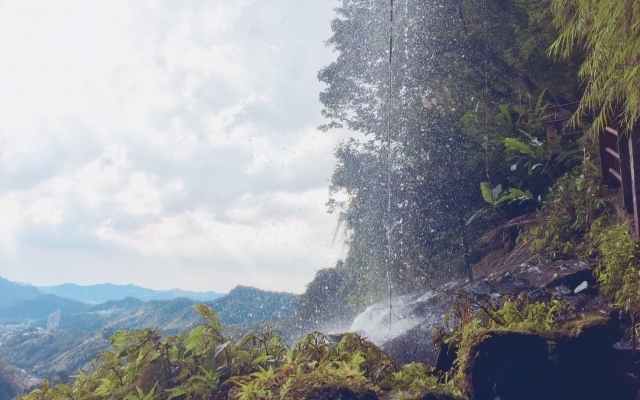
column 108, row 291
column 85, row 328
column 13, row 292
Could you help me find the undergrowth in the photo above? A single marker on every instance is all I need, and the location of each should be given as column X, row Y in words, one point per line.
column 568, row 212
column 203, row 364
column 471, row 320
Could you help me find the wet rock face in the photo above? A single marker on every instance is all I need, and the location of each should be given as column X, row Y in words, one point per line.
column 340, row 394
column 404, row 329
column 514, row 366
column 511, row 365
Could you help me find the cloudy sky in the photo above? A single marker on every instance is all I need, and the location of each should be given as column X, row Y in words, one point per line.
column 165, row 143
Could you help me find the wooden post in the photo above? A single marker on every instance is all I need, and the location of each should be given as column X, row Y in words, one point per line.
column 609, row 139
column 625, row 171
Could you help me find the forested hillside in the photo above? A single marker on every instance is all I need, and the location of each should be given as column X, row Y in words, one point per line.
column 84, row 330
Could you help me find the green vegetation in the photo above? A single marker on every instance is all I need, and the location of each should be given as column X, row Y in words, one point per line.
column 469, row 321
column 57, row 355
column 464, row 152
column 455, row 66
column 204, row 364
column 619, row 269
column 608, row 33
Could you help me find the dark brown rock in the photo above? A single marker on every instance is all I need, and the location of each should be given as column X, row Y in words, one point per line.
column 577, row 362
column 340, row 394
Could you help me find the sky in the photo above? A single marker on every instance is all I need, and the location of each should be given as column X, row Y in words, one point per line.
column 168, row 144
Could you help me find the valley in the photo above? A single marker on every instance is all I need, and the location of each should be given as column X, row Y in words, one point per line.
column 84, row 329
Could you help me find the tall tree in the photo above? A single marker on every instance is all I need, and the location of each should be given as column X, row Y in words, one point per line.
column 449, row 57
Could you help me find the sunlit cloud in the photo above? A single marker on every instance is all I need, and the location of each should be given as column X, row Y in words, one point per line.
column 165, row 144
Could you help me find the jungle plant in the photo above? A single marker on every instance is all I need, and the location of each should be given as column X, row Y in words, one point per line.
column 619, row 269
column 415, row 380
column 527, row 158
column 314, row 362
column 574, row 202
column 608, row 33
column 536, row 156
column 471, row 318
column 205, row 365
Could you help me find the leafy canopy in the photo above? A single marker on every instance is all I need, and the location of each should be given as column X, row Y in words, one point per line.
column 608, row 32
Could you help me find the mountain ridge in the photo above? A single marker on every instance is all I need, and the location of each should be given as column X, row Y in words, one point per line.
column 103, row 292
column 14, row 292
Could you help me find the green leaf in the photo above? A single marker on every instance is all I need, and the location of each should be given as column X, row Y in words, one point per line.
column 566, row 154
column 481, row 212
column 485, row 187
column 515, row 194
column 504, row 113
column 516, row 145
column 177, row 392
column 521, row 111
column 221, row 348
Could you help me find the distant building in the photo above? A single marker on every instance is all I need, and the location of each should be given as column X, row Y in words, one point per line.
column 53, row 320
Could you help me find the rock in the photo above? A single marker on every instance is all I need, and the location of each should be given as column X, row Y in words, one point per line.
column 510, row 365
column 581, row 287
column 340, row 394
column 577, row 362
column 446, row 357
column 434, row 396
column 406, row 331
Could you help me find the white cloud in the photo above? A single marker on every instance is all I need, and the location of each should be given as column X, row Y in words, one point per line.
column 168, row 143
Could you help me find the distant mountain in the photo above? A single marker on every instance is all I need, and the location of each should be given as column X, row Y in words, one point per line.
column 81, row 335
column 250, row 305
column 108, row 291
column 243, row 305
column 40, row 307
column 11, row 292
column 128, row 303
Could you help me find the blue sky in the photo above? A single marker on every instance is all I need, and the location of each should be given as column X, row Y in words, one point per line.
column 165, row 144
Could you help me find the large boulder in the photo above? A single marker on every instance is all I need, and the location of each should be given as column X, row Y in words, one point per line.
column 575, row 362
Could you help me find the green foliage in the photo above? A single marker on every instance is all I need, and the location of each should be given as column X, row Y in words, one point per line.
column 452, row 58
column 469, row 321
column 619, row 270
column 416, row 380
column 568, row 212
column 535, row 156
column 205, row 365
column 608, row 31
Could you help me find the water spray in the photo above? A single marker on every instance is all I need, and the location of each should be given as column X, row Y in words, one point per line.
column 389, row 160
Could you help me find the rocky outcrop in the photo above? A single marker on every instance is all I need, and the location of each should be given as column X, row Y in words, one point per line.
column 404, row 329
column 577, row 362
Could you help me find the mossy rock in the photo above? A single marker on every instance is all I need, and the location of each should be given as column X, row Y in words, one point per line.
column 575, row 361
